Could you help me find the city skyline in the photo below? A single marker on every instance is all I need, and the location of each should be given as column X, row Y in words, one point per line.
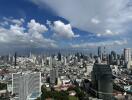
column 65, row 50
column 46, row 24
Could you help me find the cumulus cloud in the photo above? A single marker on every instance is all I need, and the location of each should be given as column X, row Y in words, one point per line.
column 107, row 17
column 19, row 36
column 62, row 30
column 35, row 29
column 96, row 44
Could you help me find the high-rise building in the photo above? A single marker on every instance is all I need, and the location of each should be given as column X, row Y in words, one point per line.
column 59, row 56
column 15, row 62
column 100, row 53
column 49, row 61
column 127, row 57
column 102, row 81
column 25, row 84
column 53, row 76
column 53, row 72
column 65, row 61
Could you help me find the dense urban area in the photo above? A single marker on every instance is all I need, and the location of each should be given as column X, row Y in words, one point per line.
column 65, row 50
column 69, row 76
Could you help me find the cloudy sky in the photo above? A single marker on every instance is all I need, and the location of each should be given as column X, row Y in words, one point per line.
column 65, row 24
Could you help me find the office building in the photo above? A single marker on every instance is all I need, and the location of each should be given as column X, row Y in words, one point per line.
column 127, row 57
column 15, row 59
column 59, row 56
column 102, row 81
column 25, row 84
column 53, row 76
column 100, row 53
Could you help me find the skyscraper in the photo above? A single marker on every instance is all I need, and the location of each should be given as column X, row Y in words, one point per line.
column 59, row 56
column 25, row 84
column 100, row 53
column 127, row 57
column 53, row 76
column 53, row 72
column 15, row 62
column 102, row 81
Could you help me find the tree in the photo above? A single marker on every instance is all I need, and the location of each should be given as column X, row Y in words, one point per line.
column 38, row 98
column 3, row 86
column 79, row 93
column 62, row 95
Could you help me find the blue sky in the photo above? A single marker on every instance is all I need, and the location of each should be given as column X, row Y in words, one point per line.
column 65, row 24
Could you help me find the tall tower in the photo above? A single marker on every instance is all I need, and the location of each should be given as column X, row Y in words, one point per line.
column 53, row 73
column 102, row 81
column 15, row 62
column 59, row 56
column 127, row 57
column 104, row 54
column 100, row 53
column 53, row 76
column 26, row 83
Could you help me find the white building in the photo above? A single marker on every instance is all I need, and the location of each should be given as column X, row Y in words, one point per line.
column 25, row 84
column 127, row 56
column 49, row 59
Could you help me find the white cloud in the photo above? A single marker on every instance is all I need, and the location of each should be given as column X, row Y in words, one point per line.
column 18, row 22
column 5, row 23
column 108, row 33
column 14, row 21
column 96, row 44
column 114, row 15
column 95, row 21
column 63, row 30
column 19, row 36
column 36, row 29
